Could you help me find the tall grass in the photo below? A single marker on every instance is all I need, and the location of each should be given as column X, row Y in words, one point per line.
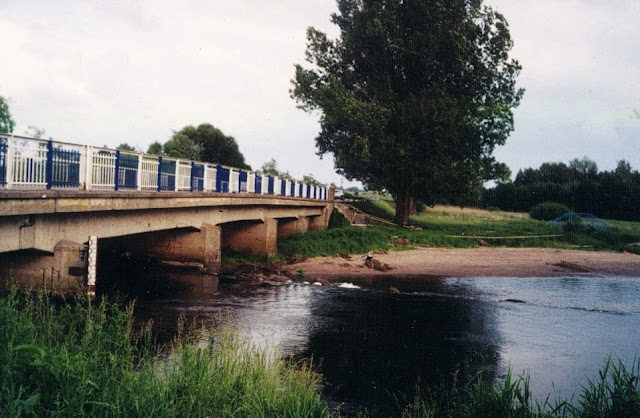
column 77, row 359
column 614, row 394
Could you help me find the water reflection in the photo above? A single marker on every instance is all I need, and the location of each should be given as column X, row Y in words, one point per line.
column 376, row 346
column 373, row 345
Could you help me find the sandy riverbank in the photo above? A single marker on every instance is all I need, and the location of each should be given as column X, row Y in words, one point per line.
column 476, row 262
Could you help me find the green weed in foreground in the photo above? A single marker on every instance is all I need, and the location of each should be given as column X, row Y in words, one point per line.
column 614, row 394
column 76, row 359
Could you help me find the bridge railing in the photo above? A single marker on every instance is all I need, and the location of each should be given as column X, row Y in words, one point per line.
column 31, row 163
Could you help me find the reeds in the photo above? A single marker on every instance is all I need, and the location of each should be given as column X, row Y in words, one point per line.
column 614, row 394
column 79, row 359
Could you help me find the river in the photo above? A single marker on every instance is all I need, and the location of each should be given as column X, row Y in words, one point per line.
column 373, row 345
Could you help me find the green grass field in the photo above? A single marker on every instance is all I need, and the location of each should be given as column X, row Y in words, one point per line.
column 449, row 226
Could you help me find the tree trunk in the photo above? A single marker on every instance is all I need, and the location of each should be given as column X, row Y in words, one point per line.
column 403, row 207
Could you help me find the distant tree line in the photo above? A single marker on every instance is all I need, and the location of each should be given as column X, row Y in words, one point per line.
column 607, row 194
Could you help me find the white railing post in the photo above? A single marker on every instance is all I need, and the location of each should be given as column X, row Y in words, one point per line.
column 234, row 178
column 176, row 176
column 9, row 161
column 251, row 182
column 139, row 173
column 84, row 162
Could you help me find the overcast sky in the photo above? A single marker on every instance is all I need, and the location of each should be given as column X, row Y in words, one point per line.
column 106, row 72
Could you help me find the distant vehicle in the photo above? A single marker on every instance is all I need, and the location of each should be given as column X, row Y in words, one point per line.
column 338, row 194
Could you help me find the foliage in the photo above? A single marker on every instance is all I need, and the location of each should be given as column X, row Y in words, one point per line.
column 615, row 393
column 205, row 143
column 450, row 226
column 609, row 194
column 349, row 240
column 271, row 168
column 214, row 146
column 79, row 359
column 548, row 211
column 126, row 147
column 155, row 148
column 35, row 132
column 414, row 96
column 337, row 220
column 6, row 121
column 181, row 146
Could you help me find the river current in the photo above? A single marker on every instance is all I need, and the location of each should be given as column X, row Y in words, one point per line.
column 373, row 345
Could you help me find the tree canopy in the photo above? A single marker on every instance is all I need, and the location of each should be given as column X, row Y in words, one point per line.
column 413, row 96
column 271, row 168
column 6, row 121
column 608, row 194
column 205, row 143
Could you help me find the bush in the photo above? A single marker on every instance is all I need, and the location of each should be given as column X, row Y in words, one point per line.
column 338, row 220
column 548, row 210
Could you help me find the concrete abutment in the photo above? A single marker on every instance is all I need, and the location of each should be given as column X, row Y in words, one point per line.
column 46, row 238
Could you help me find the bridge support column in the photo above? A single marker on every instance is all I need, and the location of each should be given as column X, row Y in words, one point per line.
column 288, row 227
column 257, row 238
column 212, row 244
column 63, row 272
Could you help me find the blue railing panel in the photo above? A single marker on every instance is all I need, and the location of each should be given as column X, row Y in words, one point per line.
column 167, row 172
column 242, row 181
column 64, row 166
column 127, row 171
column 271, row 185
column 222, row 179
column 197, row 177
column 258, row 188
column 3, row 162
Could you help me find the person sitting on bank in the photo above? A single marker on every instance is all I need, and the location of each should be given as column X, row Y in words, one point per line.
column 368, row 257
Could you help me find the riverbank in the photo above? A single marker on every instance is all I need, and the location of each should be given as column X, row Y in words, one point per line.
column 472, row 262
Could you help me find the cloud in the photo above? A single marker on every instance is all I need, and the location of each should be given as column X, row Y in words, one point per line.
column 107, row 72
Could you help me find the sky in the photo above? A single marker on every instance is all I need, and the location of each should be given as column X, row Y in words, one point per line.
column 106, row 72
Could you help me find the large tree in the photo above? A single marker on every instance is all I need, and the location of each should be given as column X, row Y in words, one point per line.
column 6, row 121
column 204, row 143
column 413, row 96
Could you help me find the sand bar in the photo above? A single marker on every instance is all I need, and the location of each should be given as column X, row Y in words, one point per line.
column 476, row 262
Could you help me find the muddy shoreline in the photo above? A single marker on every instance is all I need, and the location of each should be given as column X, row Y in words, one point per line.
column 473, row 262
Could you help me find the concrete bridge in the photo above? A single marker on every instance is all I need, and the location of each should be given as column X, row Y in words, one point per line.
column 189, row 214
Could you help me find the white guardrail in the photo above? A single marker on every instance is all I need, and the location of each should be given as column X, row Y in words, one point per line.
column 31, row 163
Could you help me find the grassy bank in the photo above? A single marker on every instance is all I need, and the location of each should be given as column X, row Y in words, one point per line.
column 75, row 359
column 455, row 227
column 445, row 226
column 72, row 358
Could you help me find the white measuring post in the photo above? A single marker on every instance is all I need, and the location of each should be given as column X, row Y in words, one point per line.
column 92, row 265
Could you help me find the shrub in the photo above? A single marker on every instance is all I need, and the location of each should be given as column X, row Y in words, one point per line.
column 548, row 210
column 338, row 220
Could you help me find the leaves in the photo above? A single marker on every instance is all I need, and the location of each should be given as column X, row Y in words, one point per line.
column 411, row 92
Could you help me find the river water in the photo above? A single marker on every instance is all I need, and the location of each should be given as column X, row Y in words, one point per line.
column 373, row 345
